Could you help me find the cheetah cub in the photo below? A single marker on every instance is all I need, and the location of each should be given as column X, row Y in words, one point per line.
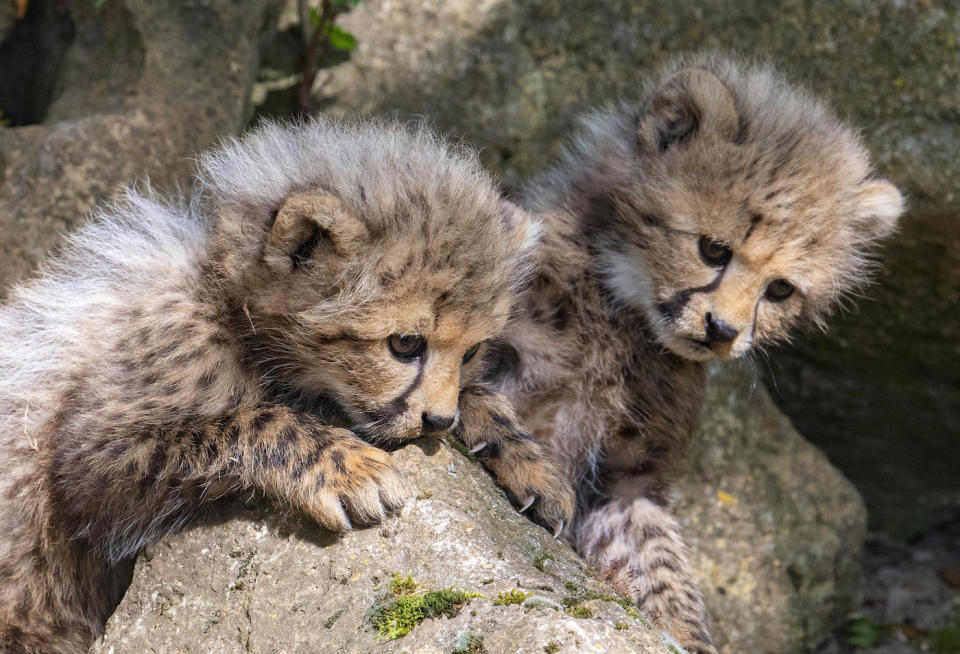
column 703, row 222
column 328, row 286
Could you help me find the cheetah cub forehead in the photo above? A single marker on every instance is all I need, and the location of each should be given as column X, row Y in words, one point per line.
column 366, row 265
column 744, row 207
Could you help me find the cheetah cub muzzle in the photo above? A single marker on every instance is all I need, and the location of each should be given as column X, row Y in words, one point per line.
column 704, row 221
column 327, row 289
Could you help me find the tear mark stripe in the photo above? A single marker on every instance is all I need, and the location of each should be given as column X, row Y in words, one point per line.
column 672, row 307
column 398, row 405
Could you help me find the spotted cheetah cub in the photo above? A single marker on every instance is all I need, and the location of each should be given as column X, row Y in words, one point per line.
column 328, row 286
column 703, row 222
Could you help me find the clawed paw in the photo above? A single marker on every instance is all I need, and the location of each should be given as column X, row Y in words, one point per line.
column 523, row 468
column 355, row 483
column 543, row 494
column 490, row 429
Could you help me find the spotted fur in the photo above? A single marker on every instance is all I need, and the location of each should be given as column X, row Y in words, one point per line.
column 605, row 362
column 177, row 352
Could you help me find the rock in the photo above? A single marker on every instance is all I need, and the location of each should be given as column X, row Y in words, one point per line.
column 511, row 76
column 259, row 580
column 8, row 16
column 910, row 595
column 774, row 530
column 142, row 87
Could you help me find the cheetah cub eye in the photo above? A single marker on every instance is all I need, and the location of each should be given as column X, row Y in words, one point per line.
column 779, row 290
column 407, row 346
column 714, row 253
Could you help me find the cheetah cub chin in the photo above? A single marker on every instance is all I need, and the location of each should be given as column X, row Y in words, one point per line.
column 328, row 287
column 704, row 221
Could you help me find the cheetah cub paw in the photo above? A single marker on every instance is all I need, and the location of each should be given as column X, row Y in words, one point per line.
column 490, row 429
column 352, row 483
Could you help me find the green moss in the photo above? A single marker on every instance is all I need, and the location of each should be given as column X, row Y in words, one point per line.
column 583, row 595
column 537, row 603
column 486, row 582
column 579, row 611
column 468, row 643
column 673, row 649
column 541, row 559
column 632, row 612
column 399, row 617
column 513, row 597
column 401, row 585
column 333, row 618
column 946, row 641
column 425, row 495
column 551, row 647
column 620, row 626
column 461, row 448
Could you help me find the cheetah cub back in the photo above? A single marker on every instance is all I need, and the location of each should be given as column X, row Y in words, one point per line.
column 329, row 286
column 704, row 221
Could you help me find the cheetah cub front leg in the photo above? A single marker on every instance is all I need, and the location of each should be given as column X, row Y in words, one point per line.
column 489, row 427
column 326, row 472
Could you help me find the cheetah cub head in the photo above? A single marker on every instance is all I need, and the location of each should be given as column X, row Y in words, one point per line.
column 367, row 265
column 745, row 208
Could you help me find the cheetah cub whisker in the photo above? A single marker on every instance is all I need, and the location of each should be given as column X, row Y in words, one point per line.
column 328, row 286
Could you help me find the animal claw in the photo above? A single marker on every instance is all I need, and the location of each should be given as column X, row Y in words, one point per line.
column 558, row 530
column 479, row 446
column 528, row 503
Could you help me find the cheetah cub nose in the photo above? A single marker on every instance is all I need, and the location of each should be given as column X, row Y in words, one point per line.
column 432, row 423
column 719, row 331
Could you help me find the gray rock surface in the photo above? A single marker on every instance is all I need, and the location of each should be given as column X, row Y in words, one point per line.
column 8, row 15
column 911, row 599
column 259, row 580
column 511, row 76
column 774, row 530
column 144, row 85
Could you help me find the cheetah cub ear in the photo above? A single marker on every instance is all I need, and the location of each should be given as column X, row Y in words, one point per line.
column 879, row 206
column 307, row 224
column 693, row 101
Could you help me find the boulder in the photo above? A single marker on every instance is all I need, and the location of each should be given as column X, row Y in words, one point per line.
column 260, row 580
column 141, row 86
column 511, row 77
column 774, row 530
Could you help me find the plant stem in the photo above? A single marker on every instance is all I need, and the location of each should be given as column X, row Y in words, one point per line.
column 315, row 41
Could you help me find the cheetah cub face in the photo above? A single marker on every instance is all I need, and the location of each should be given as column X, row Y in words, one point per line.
column 748, row 209
column 379, row 295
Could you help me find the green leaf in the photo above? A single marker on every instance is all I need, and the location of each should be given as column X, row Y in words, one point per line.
column 351, row 3
column 314, row 18
column 341, row 39
column 862, row 632
column 99, row 3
